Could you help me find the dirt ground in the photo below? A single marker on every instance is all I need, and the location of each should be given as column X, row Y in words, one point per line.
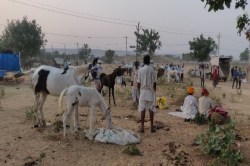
column 21, row 143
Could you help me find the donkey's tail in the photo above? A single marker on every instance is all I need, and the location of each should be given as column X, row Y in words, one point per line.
column 32, row 70
column 60, row 100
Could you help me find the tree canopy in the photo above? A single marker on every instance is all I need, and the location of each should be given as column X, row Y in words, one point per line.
column 109, row 55
column 84, row 53
column 148, row 41
column 243, row 21
column 244, row 55
column 23, row 36
column 201, row 48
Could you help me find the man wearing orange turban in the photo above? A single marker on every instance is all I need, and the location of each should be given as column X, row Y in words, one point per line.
column 190, row 90
column 190, row 105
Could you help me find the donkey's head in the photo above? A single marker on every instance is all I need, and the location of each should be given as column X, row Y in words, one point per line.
column 107, row 117
column 119, row 72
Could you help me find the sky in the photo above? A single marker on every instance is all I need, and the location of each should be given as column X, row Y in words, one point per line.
column 105, row 24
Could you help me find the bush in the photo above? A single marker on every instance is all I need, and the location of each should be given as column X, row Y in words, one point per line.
column 132, row 150
column 30, row 113
column 2, row 91
column 220, row 141
column 200, row 119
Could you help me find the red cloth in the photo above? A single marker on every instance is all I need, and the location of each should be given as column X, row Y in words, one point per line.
column 219, row 110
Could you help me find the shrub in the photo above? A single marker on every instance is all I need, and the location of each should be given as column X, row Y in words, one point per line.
column 132, row 150
column 30, row 113
column 57, row 125
column 200, row 119
column 220, row 141
column 2, row 91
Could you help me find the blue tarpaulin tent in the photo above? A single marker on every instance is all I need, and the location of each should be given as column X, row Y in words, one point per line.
column 9, row 62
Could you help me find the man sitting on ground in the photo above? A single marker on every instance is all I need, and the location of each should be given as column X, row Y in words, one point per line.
column 205, row 102
column 190, row 105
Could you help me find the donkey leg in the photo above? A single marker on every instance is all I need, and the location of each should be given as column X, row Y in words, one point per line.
column 113, row 95
column 65, row 118
column 91, row 122
column 36, row 104
column 109, row 96
column 76, row 120
column 42, row 100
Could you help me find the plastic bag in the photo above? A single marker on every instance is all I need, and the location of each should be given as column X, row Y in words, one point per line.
column 162, row 102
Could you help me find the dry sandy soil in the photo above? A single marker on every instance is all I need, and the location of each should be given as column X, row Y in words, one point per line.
column 20, row 143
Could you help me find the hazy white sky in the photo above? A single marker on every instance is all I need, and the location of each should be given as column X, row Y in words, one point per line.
column 103, row 24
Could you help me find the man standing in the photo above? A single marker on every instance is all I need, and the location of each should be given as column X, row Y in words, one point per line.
column 182, row 72
column 202, row 75
column 135, row 92
column 215, row 76
column 96, row 71
column 65, row 66
column 235, row 77
column 147, row 88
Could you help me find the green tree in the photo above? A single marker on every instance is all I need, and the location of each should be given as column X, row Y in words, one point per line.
column 23, row 36
column 243, row 21
column 84, row 53
column 148, row 41
column 244, row 56
column 109, row 56
column 201, row 48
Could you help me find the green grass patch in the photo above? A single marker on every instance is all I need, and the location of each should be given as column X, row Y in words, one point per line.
column 132, row 150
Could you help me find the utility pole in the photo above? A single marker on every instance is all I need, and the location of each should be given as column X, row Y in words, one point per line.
column 126, row 45
column 219, row 36
column 126, row 49
column 138, row 28
column 77, row 47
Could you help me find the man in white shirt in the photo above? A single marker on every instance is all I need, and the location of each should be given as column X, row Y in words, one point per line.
column 135, row 92
column 147, row 88
column 190, row 105
column 205, row 102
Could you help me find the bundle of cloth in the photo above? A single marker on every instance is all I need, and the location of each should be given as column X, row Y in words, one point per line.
column 118, row 136
column 218, row 115
column 162, row 102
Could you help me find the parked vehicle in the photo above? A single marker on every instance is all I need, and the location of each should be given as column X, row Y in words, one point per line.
column 9, row 62
column 224, row 63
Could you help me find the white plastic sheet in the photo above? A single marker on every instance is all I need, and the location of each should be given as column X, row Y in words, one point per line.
column 116, row 136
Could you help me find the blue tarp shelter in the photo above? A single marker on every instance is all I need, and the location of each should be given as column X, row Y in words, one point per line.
column 9, row 62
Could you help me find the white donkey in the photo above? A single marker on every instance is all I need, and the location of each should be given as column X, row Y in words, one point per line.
column 48, row 80
column 172, row 75
column 84, row 96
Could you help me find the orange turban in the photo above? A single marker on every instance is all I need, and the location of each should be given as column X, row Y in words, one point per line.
column 204, row 92
column 190, row 90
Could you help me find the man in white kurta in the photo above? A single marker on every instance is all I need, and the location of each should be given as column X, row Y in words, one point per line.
column 147, row 87
column 190, row 107
column 205, row 102
column 135, row 92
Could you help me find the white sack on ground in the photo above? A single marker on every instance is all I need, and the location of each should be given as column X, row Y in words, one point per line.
column 116, row 136
column 185, row 115
column 179, row 114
